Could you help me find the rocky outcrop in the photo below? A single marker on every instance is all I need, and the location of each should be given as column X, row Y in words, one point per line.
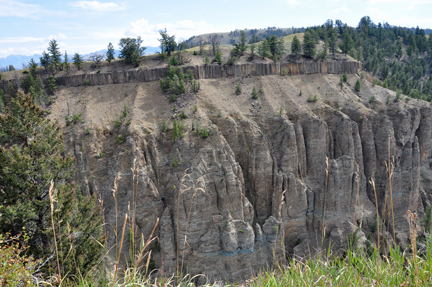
column 204, row 72
column 262, row 186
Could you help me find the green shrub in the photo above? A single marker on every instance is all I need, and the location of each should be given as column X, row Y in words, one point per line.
column 204, row 133
column 195, row 53
column 219, row 115
column 371, row 99
column 238, row 89
column 87, row 131
column 77, row 118
column 254, row 94
column 173, row 98
column 183, row 115
column 357, row 86
column 16, row 269
column 344, row 77
column 164, row 126
column 195, row 109
column 126, row 109
column 120, row 139
column 86, row 82
column 117, row 122
column 206, row 60
column 175, row 163
column 312, row 99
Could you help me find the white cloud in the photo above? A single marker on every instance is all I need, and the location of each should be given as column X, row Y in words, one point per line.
column 181, row 29
column 97, row 6
column 17, row 9
column 32, row 39
column 292, row 3
column 376, row 12
column 341, row 10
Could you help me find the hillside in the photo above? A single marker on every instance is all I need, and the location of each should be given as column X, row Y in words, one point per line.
column 246, row 164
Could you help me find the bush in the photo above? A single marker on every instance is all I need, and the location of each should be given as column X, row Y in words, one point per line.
column 175, row 163
column 206, row 60
column 357, row 86
column 183, row 115
column 254, row 94
column 238, row 89
column 371, row 99
column 204, row 133
column 164, row 126
column 313, row 98
column 344, row 77
column 16, row 269
column 120, row 139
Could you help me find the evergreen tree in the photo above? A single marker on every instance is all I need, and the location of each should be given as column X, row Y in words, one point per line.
column 110, row 53
column 175, row 131
column 264, row 49
column 31, row 158
column 325, row 49
column 167, row 42
column 332, row 38
column 295, row 46
column 55, row 54
column 252, row 49
column 309, row 44
column 33, row 67
column 45, row 61
column 347, row 42
column 218, row 56
column 78, row 61
column 357, row 86
column 131, row 50
column 66, row 64
column 240, row 47
column 11, row 90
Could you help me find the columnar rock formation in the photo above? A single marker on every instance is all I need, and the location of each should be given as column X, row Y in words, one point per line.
column 205, row 72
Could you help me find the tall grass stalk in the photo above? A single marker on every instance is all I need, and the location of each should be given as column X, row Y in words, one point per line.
column 119, row 252
column 390, row 170
column 325, row 202
column 51, row 197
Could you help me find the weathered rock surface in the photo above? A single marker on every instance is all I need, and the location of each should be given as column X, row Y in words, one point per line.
column 226, row 202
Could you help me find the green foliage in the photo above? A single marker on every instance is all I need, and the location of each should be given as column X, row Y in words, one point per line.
column 218, row 56
column 175, row 130
column 167, row 42
column 254, row 94
column 52, row 84
column 175, row 163
column 78, row 61
column 2, row 101
column 195, row 53
column 131, row 50
column 16, row 268
column 309, row 44
column 238, row 89
column 206, row 60
column 77, row 118
column 195, row 109
column 175, row 81
column 240, row 47
column 120, row 139
column 312, row 99
column 33, row 67
column 55, row 55
column 29, row 163
column 219, row 115
column 347, row 42
column 357, row 86
column 183, row 115
column 66, row 64
column 426, row 222
column 280, row 111
column 110, row 53
column 295, row 46
column 126, row 110
column 117, row 122
column 264, row 49
column 204, row 133
column 164, row 126
column 371, row 99
column 344, row 77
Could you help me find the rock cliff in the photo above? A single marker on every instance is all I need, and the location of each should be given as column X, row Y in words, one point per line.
column 276, row 177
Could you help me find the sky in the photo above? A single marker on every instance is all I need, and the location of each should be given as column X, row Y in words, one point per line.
column 88, row 26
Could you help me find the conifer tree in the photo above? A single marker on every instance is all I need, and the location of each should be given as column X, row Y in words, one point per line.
column 357, row 85
column 31, row 158
column 347, row 42
column 110, row 53
column 2, row 101
column 332, row 38
column 33, row 67
column 309, row 44
column 55, row 54
column 66, row 64
column 78, row 60
column 175, row 131
column 295, row 46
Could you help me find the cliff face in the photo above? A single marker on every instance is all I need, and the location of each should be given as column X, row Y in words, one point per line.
column 277, row 168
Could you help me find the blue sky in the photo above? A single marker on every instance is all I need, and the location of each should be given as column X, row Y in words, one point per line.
column 88, row 26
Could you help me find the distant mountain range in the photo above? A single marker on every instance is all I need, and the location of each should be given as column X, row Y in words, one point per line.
column 18, row 60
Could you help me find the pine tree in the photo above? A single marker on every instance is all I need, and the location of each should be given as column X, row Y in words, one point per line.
column 45, row 61
column 357, row 85
column 66, row 64
column 218, row 56
column 33, row 67
column 167, row 42
column 264, row 49
column 347, row 42
column 295, row 46
column 332, row 37
column 11, row 90
column 30, row 160
column 175, row 131
column 78, row 60
column 131, row 50
column 110, row 53
column 309, row 44
column 55, row 54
